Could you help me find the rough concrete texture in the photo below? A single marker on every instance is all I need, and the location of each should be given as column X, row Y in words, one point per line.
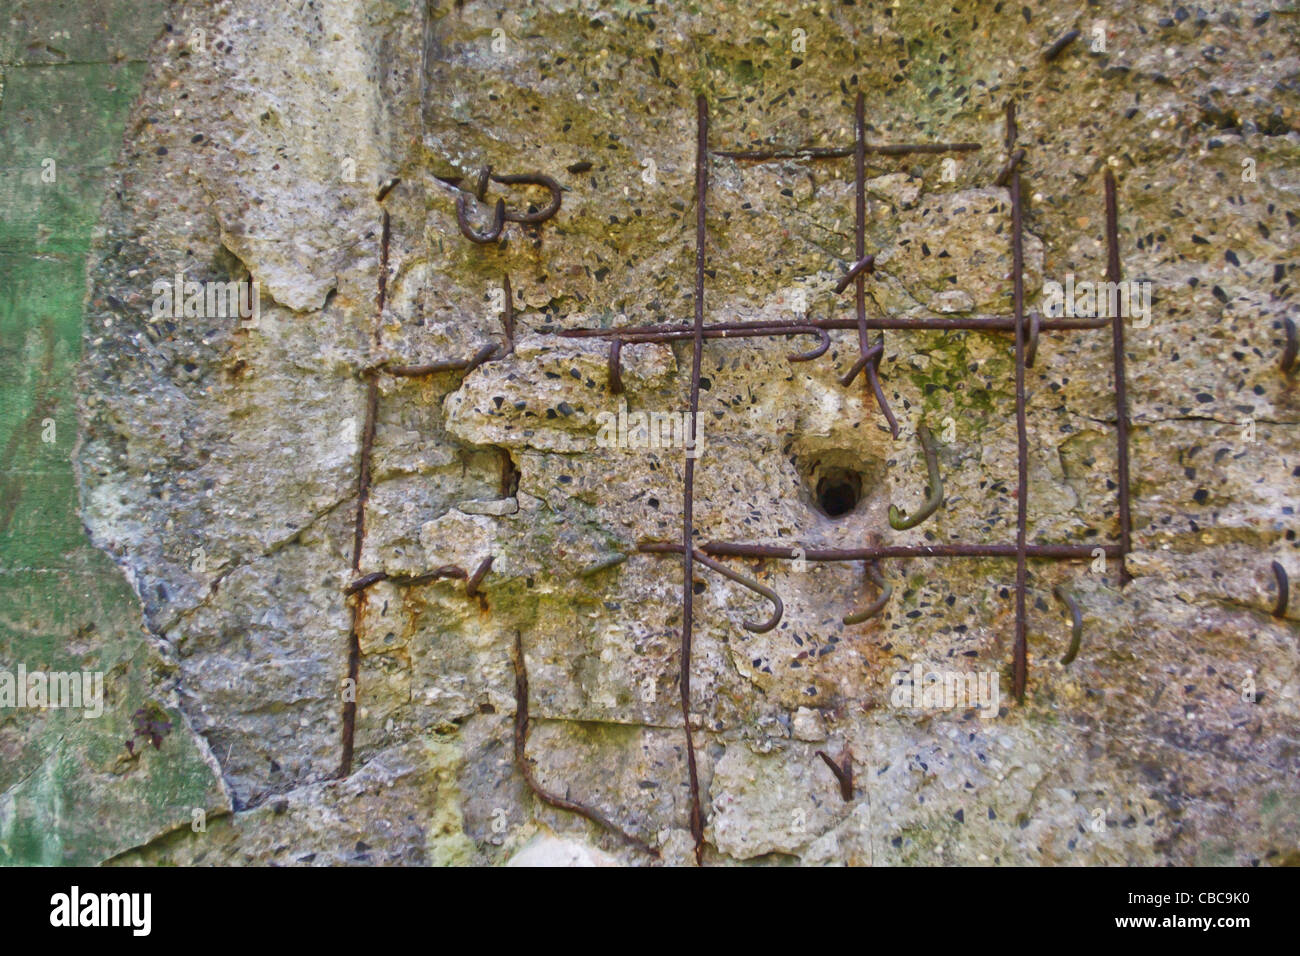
column 219, row 465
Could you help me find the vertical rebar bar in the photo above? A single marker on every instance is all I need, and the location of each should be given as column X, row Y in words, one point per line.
column 860, row 218
column 1021, row 673
column 872, row 369
column 363, row 495
column 1121, row 391
column 688, row 496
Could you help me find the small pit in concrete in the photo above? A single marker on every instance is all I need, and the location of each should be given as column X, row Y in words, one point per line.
column 838, row 491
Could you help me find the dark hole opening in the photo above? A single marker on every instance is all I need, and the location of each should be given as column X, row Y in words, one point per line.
column 509, row 475
column 838, row 492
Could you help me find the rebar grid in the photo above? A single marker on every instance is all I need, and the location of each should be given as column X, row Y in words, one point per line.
column 870, row 355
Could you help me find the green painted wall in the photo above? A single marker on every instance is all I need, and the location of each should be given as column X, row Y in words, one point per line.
column 69, row 793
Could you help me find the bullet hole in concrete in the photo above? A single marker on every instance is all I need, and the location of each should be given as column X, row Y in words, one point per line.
column 838, row 491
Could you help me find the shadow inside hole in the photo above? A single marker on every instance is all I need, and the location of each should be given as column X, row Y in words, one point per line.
column 838, row 492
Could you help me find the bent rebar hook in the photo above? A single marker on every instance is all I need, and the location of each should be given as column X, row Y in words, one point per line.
column 501, row 215
column 523, row 726
column 866, row 264
column 475, row 579
column 876, row 606
column 899, row 520
column 867, row 357
column 753, row 586
column 532, row 179
column 1031, row 342
column 817, row 352
column 843, row 772
column 466, row 230
column 1283, row 589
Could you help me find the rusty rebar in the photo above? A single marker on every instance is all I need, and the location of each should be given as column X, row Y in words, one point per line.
column 725, row 330
column 906, row 149
column 865, row 264
column 616, row 366
column 1283, row 589
column 843, row 772
column 863, row 361
column 900, row 520
column 508, row 315
column 876, row 606
column 840, row 152
column 1021, row 667
column 688, row 495
column 720, row 330
column 446, row 571
column 794, row 152
column 469, row 232
column 481, row 183
column 778, row 608
column 532, row 179
column 1026, row 329
column 349, row 729
column 862, row 266
column 1012, row 163
column 358, row 542
column 522, row 728
column 364, row 468
column 447, row 365
column 817, row 352
column 873, row 379
column 1113, row 273
column 475, row 579
column 408, row 580
column 363, row 582
column 385, row 236
column 349, row 716
column 744, row 549
column 1031, row 346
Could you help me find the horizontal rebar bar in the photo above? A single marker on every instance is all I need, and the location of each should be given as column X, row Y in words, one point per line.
column 737, row 549
column 841, row 152
column 446, row 365
column 725, row 330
